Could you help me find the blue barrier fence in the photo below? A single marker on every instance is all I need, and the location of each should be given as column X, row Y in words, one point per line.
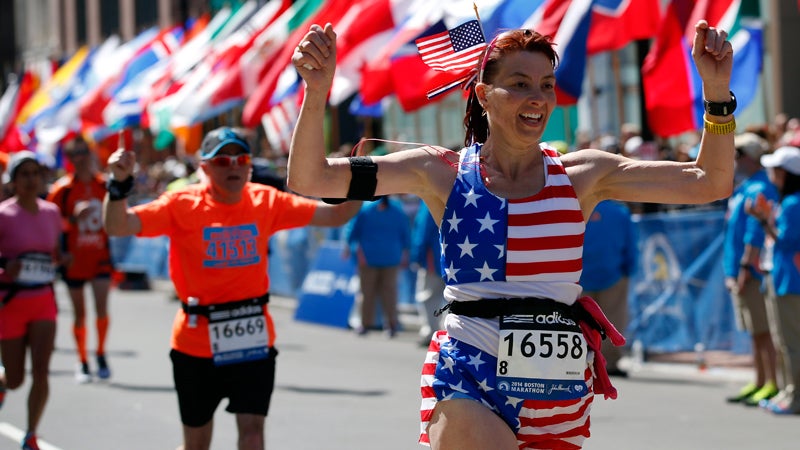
column 142, row 255
column 677, row 296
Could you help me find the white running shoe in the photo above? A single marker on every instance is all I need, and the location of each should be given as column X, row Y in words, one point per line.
column 82, row 374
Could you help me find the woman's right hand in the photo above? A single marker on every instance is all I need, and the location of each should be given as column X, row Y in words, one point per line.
column 315, row 57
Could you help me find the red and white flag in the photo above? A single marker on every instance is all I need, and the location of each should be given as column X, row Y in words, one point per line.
column 280, row 120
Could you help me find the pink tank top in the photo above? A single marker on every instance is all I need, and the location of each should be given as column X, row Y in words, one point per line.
column 22, row 231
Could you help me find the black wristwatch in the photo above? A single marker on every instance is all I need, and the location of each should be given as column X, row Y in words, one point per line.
column 720, row 109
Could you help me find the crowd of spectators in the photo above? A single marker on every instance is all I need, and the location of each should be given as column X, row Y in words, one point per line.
column 161, row 168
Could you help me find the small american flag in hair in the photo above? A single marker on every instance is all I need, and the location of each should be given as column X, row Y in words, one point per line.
column 456, row 49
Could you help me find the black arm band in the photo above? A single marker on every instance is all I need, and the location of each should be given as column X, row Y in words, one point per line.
column 119, row 190
column 362, row 182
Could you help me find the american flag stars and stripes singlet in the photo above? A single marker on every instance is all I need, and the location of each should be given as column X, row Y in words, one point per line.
column 529, row 247
column 499, row 248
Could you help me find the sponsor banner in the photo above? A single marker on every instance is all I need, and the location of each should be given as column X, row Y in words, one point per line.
column 677, row 295
column 329, row 289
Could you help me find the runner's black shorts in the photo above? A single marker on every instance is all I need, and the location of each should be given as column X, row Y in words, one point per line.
column 79, row 283
column 201, row 386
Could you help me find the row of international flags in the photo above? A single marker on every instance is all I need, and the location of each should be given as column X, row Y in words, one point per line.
column 172, row 80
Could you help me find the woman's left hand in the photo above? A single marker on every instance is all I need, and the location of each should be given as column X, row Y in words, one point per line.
column 713, row 56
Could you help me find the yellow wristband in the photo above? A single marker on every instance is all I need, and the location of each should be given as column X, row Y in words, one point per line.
column 719, row 128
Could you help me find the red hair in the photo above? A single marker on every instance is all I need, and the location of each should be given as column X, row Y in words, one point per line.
column 525, row 40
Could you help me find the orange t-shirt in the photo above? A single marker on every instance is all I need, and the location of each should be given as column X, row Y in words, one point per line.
column 87, row 241
column 217, row 251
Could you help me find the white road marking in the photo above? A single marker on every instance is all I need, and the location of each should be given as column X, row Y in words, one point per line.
column 16, row 435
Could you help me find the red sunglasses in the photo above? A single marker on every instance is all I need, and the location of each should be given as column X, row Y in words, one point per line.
column 228, row 160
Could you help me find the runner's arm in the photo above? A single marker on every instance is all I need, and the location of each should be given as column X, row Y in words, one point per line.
column 334, row 215
column 118, row 219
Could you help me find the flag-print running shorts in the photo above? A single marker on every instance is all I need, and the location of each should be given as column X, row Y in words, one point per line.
column 454, row 369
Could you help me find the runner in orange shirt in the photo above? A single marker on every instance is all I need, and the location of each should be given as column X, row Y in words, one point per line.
column 80, row 197
column 223, row 336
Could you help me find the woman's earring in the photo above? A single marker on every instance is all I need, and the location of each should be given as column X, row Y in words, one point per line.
column 483, row 113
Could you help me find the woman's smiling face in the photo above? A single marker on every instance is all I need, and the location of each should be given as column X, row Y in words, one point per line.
column 520, row 97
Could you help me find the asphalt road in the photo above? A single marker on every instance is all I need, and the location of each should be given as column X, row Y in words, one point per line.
column 335, row 390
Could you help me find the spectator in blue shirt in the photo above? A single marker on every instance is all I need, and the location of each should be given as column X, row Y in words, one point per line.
column 380, row 236
column 782, row 224
column 426, row 259
column 609, row 258
column 744, row 240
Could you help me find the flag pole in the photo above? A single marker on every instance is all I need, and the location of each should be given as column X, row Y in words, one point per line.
column 592, row 97
column 478, row 16
column 618, row 87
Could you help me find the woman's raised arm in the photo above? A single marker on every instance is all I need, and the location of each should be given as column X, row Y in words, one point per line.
column 309, row 171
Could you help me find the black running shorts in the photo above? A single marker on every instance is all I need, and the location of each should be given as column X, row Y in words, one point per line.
column 201, row 386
